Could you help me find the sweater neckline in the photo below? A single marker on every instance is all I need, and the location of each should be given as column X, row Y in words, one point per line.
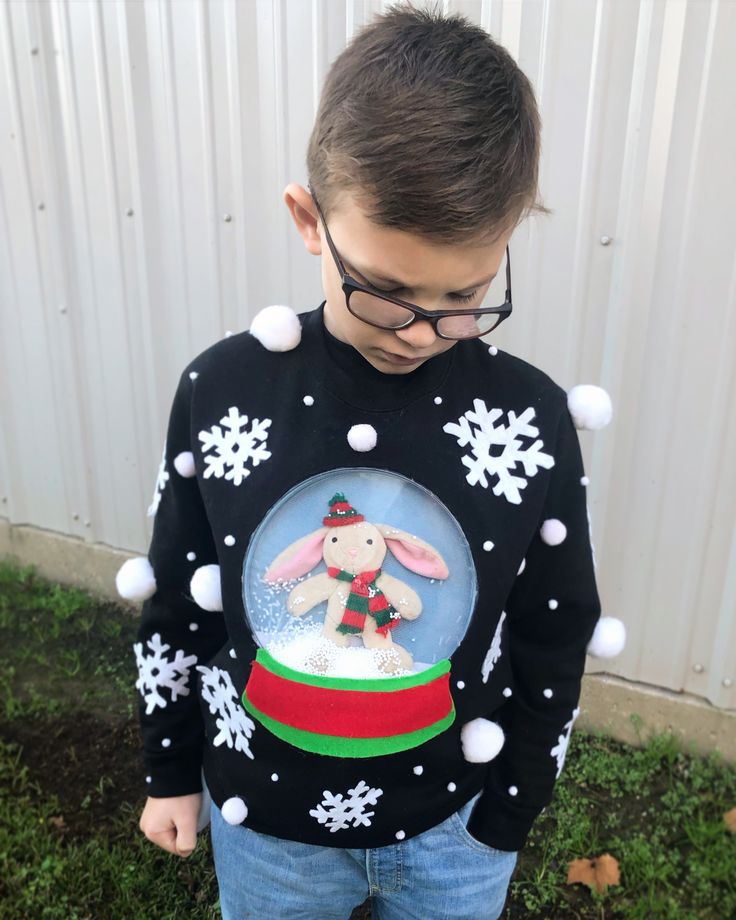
column 347, row 375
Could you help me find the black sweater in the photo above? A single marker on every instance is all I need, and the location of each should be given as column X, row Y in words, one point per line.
column 475, row 612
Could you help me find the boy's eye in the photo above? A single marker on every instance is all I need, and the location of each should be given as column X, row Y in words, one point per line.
column 334, row 539
column 464, row 298
column 458, row 298
column 369, row 542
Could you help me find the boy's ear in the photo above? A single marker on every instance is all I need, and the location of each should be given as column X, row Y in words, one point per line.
column 304, row 213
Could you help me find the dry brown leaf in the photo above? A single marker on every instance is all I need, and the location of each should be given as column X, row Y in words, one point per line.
column 598, row 873
column 730, row 820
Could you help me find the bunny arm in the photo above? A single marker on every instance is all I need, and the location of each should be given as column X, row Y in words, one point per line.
column 309, row 593
column 400, row 595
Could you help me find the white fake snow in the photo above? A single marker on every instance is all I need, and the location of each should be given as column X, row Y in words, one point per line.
column 206, row 589
column 184, row 464
column 547, row 693
column 481, row 740
column 308, row 400
column 135, row 580
column 234, row 810
column 488, row 546
column 362, row 437
column 553, row 532
column 609, row 638
column 277, row 328
column 191, row 556
column 310, row 652
column 229, row 540
column 400, row 835
column 513, row 790
column 418, row 770
column 552, row 604
column 590, row 407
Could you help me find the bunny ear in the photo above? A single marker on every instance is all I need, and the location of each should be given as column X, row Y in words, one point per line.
column 413, row 553
column 298, row 558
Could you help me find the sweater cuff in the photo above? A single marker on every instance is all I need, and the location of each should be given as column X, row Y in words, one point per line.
column 166, row 777
column 500, row 824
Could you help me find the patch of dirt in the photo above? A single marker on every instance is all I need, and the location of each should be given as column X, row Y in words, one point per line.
column 92, row 763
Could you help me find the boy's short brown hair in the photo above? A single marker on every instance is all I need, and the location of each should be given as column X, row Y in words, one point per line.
column 431, row 125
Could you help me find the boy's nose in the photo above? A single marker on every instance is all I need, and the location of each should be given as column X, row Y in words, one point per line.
column 419, row 335
column 353, row 552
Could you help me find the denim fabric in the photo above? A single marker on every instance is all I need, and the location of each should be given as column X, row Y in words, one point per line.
column 442, row 874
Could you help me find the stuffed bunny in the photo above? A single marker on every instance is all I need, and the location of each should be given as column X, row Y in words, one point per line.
column 361, row 600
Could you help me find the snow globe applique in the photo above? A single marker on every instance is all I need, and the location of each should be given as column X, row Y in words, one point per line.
column 358, row 585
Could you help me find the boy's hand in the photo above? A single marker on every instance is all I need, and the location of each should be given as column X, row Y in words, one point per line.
column 171, row 823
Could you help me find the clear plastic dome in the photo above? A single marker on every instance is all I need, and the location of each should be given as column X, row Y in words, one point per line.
column 359, row 573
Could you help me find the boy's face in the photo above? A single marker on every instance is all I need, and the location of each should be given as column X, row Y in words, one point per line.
column 429, row 274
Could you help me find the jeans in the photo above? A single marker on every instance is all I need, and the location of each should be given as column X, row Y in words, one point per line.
column 442, row 874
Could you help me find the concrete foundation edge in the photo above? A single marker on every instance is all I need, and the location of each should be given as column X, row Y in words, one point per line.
column 607, row 702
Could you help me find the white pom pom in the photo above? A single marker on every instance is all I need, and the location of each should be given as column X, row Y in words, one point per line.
column 234, row 810
column 184, row 464
column 206, row 587
column 609, row 638
column 481, row 740
column 135, row 580
column 589, row 406
column 277, row 328
column 553, row 532
column 362, row 437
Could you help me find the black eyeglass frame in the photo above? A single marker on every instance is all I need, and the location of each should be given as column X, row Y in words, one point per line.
column 350, row 284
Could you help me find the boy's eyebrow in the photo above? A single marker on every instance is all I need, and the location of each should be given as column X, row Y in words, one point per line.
column 400, row 284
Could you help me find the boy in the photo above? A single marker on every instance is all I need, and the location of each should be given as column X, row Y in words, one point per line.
column 448, row 476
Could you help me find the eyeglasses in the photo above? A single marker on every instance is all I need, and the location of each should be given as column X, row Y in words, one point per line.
column 368, row 304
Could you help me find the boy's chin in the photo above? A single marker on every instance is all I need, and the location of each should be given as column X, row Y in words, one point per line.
column 386, row 366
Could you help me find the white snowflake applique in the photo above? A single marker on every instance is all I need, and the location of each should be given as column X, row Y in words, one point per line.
column 161, row 479
column 338, row 813
column 510, row 449
column 494, row 652
column 234, row 446
column 560, row 749
column 235, row 727
column 157, row 672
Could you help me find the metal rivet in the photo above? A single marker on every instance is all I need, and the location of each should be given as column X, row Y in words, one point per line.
column 41, row 206
column 62, row 309
column 606, row 240
column 130, row 212
column 4, row 499
column 227, row 218
column 34, row 50
column 75, row 516
column 88, row 523
column 727, row 682
column 698, row 668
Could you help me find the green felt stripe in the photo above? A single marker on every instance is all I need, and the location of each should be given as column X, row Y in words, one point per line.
column 337, row 746
column 378, row 684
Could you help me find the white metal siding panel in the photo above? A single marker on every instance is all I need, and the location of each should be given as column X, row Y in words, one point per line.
column 160, row 137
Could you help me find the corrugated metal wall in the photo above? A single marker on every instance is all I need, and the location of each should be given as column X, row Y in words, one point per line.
column 144, row 148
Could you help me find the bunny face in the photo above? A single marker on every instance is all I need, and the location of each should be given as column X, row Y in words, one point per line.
column 354, row 547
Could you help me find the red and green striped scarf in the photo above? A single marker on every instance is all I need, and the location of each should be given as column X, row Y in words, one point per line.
column 365, row 598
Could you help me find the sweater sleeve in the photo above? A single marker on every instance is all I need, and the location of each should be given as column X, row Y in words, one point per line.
column 552, row 612
column 175, row 634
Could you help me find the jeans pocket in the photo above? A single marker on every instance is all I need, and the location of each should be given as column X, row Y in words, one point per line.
column 460, row 825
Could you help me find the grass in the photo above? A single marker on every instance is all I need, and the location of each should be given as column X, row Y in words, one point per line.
column 70, row 794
